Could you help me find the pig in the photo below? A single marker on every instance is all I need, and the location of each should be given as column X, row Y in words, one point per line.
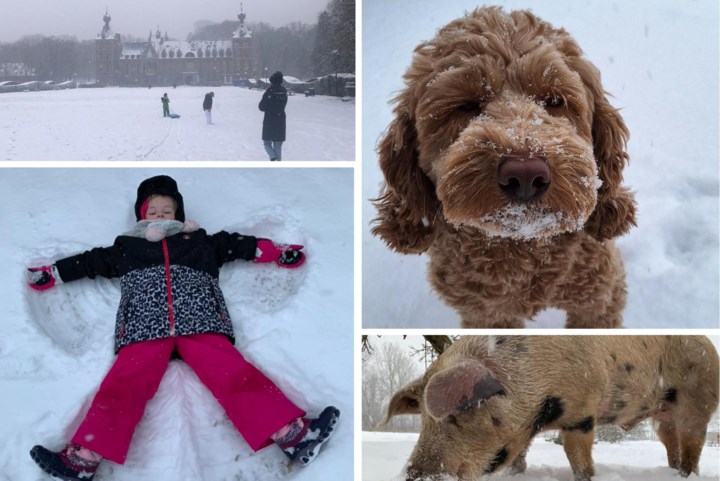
column 486, row 397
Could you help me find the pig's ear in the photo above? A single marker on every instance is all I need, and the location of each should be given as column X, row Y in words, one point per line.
column 405, row 401
column 460, row 388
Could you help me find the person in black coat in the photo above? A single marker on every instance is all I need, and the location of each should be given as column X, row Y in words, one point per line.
column 273, row 104
column 207, row 106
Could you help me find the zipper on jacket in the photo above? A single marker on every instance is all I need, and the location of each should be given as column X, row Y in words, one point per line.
column 171, row 315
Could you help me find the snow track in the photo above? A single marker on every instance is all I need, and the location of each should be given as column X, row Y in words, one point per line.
column 127, row 124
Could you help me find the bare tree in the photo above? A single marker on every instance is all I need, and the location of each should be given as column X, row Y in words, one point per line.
column 334, row 50
column 385, row 372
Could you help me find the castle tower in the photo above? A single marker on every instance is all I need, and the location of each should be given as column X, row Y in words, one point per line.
column 107, row 55
column 242, row 42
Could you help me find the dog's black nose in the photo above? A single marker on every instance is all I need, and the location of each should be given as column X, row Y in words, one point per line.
column 523, row 178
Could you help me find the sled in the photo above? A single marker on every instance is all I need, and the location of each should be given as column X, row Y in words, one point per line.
column 174, row 116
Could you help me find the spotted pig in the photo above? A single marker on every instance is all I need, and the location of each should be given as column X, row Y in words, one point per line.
column 484, row 400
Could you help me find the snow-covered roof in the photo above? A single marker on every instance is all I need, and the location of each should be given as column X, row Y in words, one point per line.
column 242, row 30
column 293, row 80
column 242, row 33
column 132, row 51
column 194, row 46
column 179, row 49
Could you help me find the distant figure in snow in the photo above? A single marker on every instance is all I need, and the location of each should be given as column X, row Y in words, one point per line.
column 171, row 302
column 273, row 103
column 207, row 106
column 166, row 105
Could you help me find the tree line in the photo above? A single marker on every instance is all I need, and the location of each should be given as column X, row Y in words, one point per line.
column 52, row 58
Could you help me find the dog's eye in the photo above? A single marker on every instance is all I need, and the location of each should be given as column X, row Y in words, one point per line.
column 469, row 107
column 554, row 102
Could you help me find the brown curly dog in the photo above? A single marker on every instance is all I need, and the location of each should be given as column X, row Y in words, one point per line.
column 504, row 163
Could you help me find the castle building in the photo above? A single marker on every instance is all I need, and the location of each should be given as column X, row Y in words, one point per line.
column 160, row 61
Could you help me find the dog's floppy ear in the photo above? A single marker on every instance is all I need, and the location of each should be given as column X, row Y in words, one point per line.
column 407, row 204
column 615, row 210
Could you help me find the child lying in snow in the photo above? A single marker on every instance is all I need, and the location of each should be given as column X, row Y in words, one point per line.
column 171, row 303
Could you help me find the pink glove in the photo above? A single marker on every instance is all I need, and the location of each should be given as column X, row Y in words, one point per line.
column 288, row 256
column 43, row 278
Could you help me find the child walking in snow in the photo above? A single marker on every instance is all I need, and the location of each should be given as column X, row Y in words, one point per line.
column 166, row 105
column 171, row 303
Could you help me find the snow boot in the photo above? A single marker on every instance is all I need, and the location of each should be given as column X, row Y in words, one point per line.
column 302, row 445
column 66, row 464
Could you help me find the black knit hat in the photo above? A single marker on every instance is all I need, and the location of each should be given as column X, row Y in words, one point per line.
column 160, row 185
column 276, row 78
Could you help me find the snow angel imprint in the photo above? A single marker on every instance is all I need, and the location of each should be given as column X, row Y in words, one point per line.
column 171, row 302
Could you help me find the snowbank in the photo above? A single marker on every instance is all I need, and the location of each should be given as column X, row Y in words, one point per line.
column 385, row 455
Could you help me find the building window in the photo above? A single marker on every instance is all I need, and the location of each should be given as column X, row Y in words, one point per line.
column 228, row 53
column 214, row 52
column 179, row 53
column 200, row 54
column 222, row 52
column 189, row 55
column 163, row 54
column 172, row 53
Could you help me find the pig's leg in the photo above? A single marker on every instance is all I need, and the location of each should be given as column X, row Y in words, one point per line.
column 667, row 432
column 692, row 439
column 682, row 427
column 578, row 448
column 519, row 465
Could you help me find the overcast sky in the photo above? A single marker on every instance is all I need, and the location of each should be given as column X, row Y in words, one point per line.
column 137, row 17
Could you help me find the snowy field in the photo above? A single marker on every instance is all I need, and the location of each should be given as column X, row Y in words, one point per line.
column 385, row 455
column 296, row 325
column 659, row 59
column 127, row 124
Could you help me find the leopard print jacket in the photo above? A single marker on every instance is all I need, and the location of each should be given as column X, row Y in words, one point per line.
column 168, row 288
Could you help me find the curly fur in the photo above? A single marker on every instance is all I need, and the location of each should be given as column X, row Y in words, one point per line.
column 492, row 86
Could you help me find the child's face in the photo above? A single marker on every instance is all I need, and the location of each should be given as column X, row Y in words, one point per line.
column 161, row 207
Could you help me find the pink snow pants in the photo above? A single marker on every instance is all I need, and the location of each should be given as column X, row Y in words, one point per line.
column 253, row 403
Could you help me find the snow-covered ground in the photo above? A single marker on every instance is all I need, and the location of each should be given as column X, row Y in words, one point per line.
column 295, row 325
column 127, row 124
column 385, row 455
column 659, row 59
